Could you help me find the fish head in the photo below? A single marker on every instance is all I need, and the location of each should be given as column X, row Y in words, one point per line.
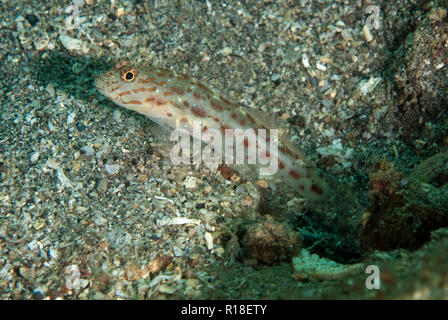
column 113, row 83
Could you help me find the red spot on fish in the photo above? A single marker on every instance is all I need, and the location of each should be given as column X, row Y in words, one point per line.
column 294, row 174
column 246, row 142
column 116, row 88
column 139, row 90
column 302, row 188
column 186, row 103
column 133, row 102
column 167, row 93
column 204, row 129
column 169, row 114
column 315, row 188
column 242, row 122
column 216, row 106
column 178, row 91
column 281, row 165
column 150, row 99
column 198, row 112
column 284, row 150
column 189, row 90
column 124, row 93
column 196, row 95
column 233, row 116
column 160, row 103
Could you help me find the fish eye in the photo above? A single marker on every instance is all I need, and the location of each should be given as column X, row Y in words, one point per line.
column 129, row 75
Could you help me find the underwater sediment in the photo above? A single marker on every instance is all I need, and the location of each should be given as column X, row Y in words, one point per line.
column 86, row 190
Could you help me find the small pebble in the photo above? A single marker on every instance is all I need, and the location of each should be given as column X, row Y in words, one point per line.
column 88, row 150
column 34, row 157
column 190, row 183
column 116, row 115
column 52, row 164
column 178, row 252
column 367, row 33
column 226, row 51
column 321, row 66
column 209, row 240
column 112, row 168
column 73, row 44
column 50, row 89
column 305, row 61
column 71, row 118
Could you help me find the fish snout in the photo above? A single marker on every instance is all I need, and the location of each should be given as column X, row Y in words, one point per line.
column 101, row 84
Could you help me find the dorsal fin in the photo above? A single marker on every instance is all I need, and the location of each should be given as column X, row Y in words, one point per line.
column 268, row 121
column 300, row 156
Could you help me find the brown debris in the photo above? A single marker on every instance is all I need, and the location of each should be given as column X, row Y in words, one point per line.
column 225, row 171
column 272, row 242
column 404, row 211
